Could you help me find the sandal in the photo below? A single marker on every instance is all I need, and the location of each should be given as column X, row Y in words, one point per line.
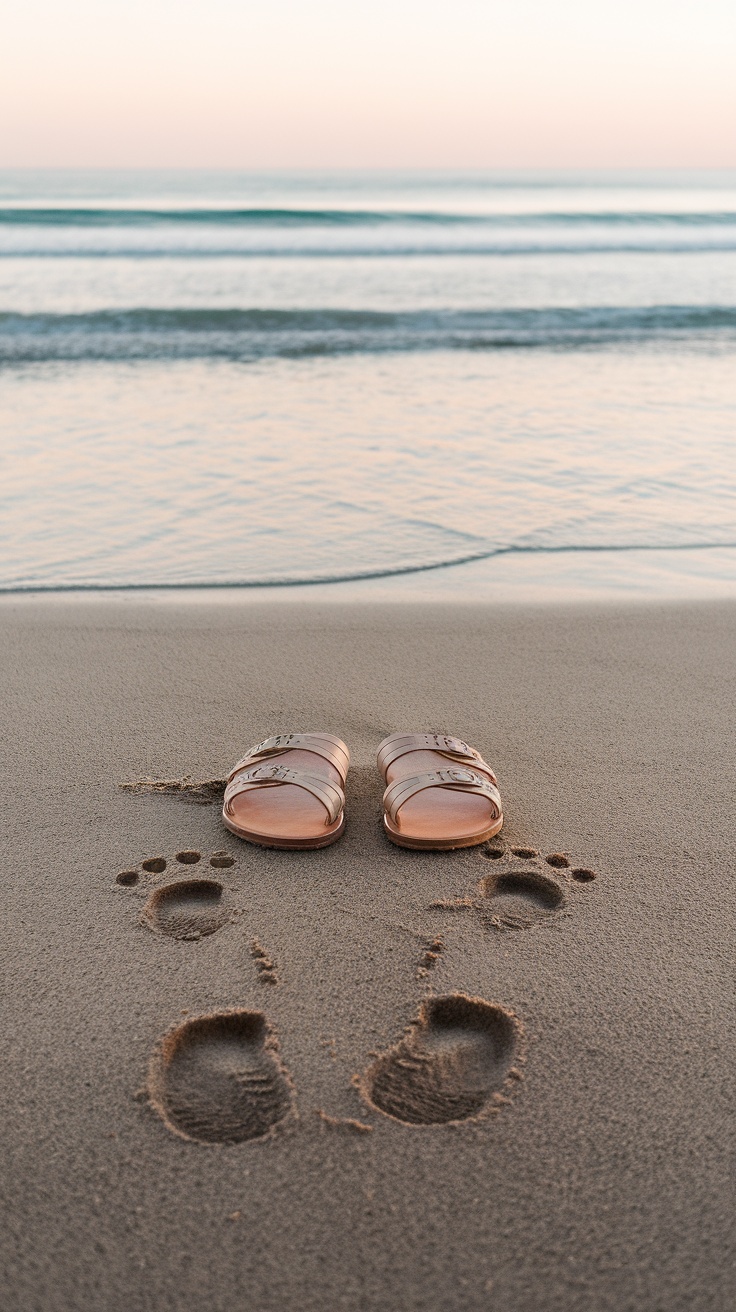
column 440, row 793
column 289, row 791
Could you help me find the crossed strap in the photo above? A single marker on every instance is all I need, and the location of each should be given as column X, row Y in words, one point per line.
column 322, row 744
column 399, row 744
column 457, row 779
column 330, row 795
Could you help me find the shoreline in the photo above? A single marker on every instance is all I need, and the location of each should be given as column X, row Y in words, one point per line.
column 580, row 577
column 596, row 1177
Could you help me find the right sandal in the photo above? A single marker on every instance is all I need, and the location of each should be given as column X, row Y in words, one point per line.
column 440, row 792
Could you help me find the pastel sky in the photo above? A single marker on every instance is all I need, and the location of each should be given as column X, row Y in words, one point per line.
column 327, row 83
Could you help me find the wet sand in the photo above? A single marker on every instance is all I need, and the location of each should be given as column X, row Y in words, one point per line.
column 581, row 1028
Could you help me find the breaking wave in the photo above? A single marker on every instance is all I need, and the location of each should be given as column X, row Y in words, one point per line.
column 123, row 217
column 259, row 334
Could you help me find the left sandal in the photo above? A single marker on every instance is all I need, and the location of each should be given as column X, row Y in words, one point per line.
column 289, row 792
column 440, row 792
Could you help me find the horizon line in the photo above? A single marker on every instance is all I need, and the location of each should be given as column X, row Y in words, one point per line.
column 374, row 168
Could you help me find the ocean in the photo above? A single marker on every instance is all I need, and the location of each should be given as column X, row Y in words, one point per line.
column 499, row 381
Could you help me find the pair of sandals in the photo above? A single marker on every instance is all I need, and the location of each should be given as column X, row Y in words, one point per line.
column 289, row 792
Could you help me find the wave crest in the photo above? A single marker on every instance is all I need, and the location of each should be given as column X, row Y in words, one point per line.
column 259, row 334
column 125, row 217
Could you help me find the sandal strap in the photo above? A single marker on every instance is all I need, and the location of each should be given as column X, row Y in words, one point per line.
column 456, row 779
column 399, row 744
column 266, row 776
column 322, row 744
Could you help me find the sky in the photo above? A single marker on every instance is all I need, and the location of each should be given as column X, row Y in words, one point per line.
column 393, row 83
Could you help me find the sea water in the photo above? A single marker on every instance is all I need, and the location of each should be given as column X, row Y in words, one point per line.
column 219, row 378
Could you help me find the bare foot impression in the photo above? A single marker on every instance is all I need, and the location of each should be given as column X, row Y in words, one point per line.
column 521, row 889
column 450, row 1066
column 219, row 1079
column 187, row 908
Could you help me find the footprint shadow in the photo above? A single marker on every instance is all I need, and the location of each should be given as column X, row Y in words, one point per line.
column 450, row 1066
column 219, row 1079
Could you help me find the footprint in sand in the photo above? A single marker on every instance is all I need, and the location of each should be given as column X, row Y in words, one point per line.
column 521, row 889
column 451, row 1065
column 219, row 1079
column 187, row 908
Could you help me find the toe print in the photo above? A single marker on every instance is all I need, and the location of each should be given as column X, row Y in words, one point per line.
column 222, row 860
column 157, row 865
column 219, row 1079
column 128, row 878
column 450, row 1065
column 189, row 858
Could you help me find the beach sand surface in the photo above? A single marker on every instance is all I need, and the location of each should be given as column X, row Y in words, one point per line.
column 581, row 1028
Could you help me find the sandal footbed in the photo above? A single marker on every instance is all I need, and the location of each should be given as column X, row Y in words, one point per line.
column 438, row 817
column 285, row 815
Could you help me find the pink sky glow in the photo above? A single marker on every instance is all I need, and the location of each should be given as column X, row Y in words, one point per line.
column 316, row 83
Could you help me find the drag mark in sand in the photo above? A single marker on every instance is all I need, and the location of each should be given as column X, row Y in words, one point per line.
column 450, row 1066
column 219, row 1079
column 201, row 792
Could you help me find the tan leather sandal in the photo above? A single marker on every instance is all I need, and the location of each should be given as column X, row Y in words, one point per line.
column 440, row 793
column 289, row 791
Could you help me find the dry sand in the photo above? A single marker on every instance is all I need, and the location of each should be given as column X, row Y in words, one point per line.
column 594, row 1069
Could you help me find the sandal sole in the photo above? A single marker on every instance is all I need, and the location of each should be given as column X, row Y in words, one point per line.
column 286, row 845
column 439, row 844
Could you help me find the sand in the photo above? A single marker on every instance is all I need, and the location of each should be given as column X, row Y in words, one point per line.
column 580, row 1030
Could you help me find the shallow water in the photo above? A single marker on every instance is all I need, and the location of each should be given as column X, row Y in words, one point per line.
column 302, row 383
